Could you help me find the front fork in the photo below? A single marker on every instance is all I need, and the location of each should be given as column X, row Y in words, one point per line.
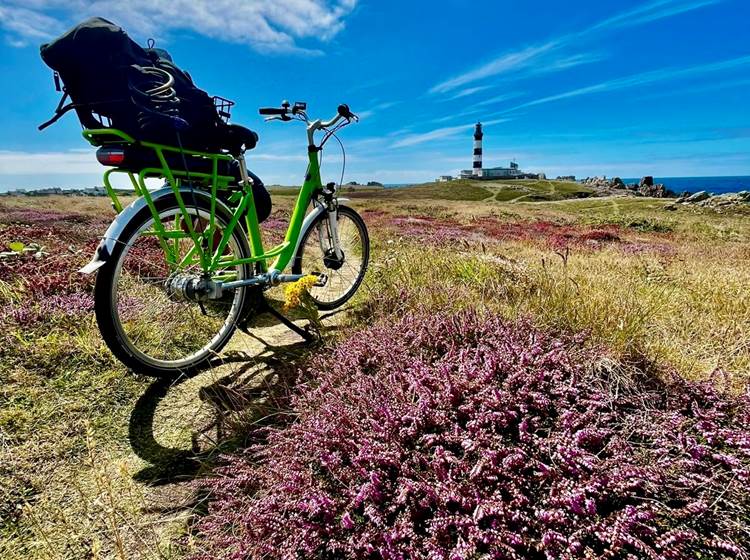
column 332, row 224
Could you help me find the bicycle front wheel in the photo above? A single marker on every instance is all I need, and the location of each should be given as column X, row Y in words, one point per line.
column 149, row 327
column 340, row 277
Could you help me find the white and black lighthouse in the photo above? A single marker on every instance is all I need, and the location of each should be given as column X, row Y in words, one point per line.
column 477, row 165
column 479, row 172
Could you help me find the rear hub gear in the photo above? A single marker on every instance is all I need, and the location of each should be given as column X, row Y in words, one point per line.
column 192, row 287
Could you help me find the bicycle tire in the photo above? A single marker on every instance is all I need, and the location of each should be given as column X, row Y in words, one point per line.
column 104, row 302
column 364, row 236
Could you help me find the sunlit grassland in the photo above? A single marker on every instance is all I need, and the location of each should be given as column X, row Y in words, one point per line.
column 669, row 288
column 690, row 312
column 65, row 405
column 673, row 289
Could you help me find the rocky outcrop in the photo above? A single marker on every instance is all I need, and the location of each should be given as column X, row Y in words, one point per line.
column 654, row 191
column 719, row 203
column 700, row 196
column 595, row 182
column 645, row 187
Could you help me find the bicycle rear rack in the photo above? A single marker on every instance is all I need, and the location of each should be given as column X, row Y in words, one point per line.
column 111, row 136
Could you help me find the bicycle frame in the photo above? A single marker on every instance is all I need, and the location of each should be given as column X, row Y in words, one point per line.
column 210, row 258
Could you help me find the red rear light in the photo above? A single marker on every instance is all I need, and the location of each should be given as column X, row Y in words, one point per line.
column 110, row 156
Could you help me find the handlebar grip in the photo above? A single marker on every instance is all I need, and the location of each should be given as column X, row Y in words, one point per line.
column 344, row 111
column 272, row 111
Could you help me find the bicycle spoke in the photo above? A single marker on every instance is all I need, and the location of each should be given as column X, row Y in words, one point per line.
column 345, row 276
column 154, row 323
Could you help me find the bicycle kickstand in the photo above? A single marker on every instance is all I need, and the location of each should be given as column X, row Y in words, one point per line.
column 265, row 307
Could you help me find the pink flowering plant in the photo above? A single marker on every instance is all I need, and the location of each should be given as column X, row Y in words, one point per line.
column 466, row 436
column 46, row 282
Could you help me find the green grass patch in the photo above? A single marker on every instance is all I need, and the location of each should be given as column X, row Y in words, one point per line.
column 637, row 223
column 507, row 195
column 462, row 190
column 525, row 190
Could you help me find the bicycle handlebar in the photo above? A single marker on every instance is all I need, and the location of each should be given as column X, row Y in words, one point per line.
column 272, row 110
column 286, row 111
column 345, row 112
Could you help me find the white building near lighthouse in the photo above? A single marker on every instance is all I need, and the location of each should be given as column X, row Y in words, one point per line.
column 479, row 172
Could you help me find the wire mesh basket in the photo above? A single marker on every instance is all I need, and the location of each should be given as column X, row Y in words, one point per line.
column 223, row 107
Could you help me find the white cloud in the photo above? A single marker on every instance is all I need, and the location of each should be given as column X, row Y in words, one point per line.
column 743, row 83
column 550, row 57
column 367, row 113
column 455, row 116
column 507, row 62
column 467, row 91
column 645, row 78
column 440, row 133
column 252, row 156
column 652, row 11
column 71, row 162
column 265, row 25
column 25, row 24
column 500, row 98
column 565, row 62
column 444, row 132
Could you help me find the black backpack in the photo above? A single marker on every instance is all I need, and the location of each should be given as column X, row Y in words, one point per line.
column 110, row 81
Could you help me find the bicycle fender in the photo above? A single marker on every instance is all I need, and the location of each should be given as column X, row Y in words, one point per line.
column 117, row 227
column 317, row 211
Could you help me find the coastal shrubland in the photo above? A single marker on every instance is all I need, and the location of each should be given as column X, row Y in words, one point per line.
column 462, row 435
column 644, row 310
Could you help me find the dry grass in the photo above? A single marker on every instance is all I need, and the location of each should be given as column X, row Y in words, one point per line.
column 671, row 290
column 679, row 299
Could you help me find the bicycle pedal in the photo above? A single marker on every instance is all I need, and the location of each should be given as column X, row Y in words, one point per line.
column 322, row 280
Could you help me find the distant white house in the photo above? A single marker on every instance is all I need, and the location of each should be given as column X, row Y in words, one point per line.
column 444, row 178
column 495, row 172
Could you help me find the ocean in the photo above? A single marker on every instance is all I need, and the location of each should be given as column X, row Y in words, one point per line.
column 715, row 185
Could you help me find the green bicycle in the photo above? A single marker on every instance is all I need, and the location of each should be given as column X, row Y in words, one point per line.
column 182, row 266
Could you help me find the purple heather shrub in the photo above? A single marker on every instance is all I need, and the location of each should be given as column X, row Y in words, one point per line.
column 70, row 305
column 437, row 231
column 67, row 305
column 447, row 437
column 66, row 249
column 43, row 216
column 427, row 229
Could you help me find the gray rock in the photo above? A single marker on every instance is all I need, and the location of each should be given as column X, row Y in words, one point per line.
column 654, row 191
column 646, row 181
column 698, row 197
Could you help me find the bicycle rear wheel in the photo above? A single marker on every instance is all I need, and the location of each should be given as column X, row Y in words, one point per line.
column 148, row 327
column 341, row 277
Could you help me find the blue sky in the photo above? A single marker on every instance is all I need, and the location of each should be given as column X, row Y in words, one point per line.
column 584, row 87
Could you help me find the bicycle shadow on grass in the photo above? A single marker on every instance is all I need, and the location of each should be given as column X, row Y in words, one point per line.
column 221, row 407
